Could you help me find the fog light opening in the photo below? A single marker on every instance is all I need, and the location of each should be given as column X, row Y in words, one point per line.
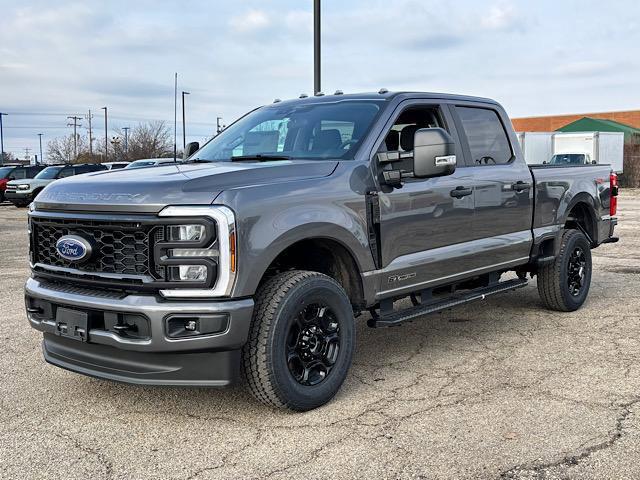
column 188, row 273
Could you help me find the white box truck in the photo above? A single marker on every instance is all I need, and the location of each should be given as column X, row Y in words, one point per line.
column 537, row 147
column 588, row 148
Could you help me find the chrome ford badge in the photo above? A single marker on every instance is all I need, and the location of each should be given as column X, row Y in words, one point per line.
column 73, row 248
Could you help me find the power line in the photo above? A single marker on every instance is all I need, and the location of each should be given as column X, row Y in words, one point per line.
column 35, row 127
column 41, row 156
column 89, row 117
column 126, row 139
column 75, row 125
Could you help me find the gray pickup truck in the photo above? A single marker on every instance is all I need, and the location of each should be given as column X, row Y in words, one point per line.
column 254, row 255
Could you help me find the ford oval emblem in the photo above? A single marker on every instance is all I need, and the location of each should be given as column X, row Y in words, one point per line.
column 73, row 248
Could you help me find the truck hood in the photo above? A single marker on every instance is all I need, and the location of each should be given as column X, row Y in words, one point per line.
column 149, row 190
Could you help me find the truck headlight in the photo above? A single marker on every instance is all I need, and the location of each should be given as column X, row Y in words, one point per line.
column 24, row 186
column 197, row 259
column 186, row 233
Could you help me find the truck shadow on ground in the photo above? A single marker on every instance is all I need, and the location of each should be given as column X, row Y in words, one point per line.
column 431, row 342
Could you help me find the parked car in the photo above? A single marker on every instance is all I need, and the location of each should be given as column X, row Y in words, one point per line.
column 258, row 252
column 16, row 172
column 150, row 162
column 571, row 159
column 115, row 165
column 22, row 192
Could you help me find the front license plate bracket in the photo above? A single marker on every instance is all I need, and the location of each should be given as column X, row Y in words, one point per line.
column 72, row 324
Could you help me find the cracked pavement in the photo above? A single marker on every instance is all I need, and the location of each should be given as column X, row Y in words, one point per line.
column 496, row 389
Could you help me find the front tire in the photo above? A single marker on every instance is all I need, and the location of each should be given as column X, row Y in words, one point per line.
column 301, row 341
column 563, row 284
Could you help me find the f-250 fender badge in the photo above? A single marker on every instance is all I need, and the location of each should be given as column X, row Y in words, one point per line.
column 401, row 278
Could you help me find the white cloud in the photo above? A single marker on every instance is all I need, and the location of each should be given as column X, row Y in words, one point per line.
column 501, row 17
column 250, row 21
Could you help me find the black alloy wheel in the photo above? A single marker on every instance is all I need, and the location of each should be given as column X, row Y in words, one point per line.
column 576, row 271
column 313, row 344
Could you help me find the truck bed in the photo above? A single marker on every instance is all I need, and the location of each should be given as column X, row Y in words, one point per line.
column 559, row 188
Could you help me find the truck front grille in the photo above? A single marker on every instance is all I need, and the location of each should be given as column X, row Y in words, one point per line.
column 120, row 248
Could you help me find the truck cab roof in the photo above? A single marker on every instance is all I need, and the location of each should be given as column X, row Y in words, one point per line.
column 385, row 95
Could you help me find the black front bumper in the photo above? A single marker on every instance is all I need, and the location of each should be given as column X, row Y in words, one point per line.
column 152, row 356
column 17, row 197
column 205, row 369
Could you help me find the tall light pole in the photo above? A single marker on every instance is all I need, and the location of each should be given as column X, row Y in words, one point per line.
column 175, row 118
column 184, row 128
column 1, row 140
column 41, row 157
column 106, row 136
column 316, row 46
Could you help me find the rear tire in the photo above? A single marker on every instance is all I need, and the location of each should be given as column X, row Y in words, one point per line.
column 301, row 341
column 563, row 284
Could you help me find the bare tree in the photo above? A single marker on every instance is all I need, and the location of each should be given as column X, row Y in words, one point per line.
column 8, row 157
column 146, row 140
column 61, row 150
column 631, row 175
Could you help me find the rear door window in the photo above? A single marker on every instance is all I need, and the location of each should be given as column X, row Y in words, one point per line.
column 487, row 138
column 19, row 173
column 66, row 172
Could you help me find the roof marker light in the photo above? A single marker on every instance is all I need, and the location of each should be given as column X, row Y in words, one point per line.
column 303, row 95
column 383, row 91
column 338, row 92
column 277, row 100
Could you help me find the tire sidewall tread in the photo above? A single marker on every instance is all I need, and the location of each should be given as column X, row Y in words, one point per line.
column 552, row 278
column 264, row 368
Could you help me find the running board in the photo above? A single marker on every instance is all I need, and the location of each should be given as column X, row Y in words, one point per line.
column 412, row 313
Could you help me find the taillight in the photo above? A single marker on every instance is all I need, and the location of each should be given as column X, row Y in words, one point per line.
column 613, row 188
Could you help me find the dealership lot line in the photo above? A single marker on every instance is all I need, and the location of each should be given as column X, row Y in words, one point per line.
column 495, row 389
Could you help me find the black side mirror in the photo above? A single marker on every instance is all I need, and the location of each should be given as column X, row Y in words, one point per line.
column 190, row 149
column 434, row 153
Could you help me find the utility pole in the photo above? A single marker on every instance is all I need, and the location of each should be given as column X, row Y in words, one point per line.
column 184, row 128
column 126, row 139
column 175, row 119
column 1, row 140
column 26, row 153
column 106, row 136
column 41, row 157
column 89, row 117
column 75, row 125
column 316, row 46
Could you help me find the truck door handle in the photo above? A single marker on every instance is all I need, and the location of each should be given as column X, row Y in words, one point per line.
column 520, row 186
column 460, row 192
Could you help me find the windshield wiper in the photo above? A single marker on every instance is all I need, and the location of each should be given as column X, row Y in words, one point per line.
column 264, row 157
column 196, row 160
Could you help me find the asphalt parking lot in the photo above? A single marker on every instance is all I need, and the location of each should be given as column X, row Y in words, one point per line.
column 500, row 389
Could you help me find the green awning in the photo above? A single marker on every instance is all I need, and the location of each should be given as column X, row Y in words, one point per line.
column 589, row 124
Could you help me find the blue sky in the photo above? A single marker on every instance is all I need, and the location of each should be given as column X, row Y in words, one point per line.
column 65, row 57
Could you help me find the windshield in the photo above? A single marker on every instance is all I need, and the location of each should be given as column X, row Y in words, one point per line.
column 141, row 163
column 301, row 131
column 5, row 171
column 568, row 159
column 49, row 173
